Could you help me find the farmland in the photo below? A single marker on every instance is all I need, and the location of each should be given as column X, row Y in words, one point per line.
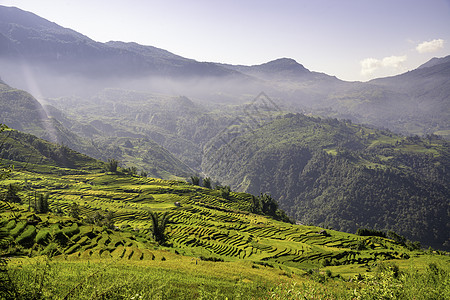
column 98, row 230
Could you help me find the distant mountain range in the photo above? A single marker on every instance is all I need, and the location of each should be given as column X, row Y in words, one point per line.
column 51, row 61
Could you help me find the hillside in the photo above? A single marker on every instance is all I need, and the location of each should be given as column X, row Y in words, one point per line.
column 94, row 233
column 405, row 175
column 177, row 124
column 203, row 222
column 341, row 175
column 33, row 152
column 21, row 111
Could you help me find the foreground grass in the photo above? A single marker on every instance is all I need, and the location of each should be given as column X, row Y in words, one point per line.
column 172, row 276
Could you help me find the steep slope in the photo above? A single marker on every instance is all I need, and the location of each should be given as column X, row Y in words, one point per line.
column 427, row 90
column 113, row 214
column 178, row 124
column 21, row 111
column 30, row 152
column 333, row 173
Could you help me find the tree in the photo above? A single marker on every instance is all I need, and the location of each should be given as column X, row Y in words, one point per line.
column 195, row 180
column 269, row 205
column 74, row 211
column 159, row 226
column 112, row 165
column 207, row 182
column 42, row 204
column 225, row 192
column 11, row 194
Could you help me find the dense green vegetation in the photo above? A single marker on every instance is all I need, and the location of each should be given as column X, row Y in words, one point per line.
column 342, row 175
column 115, row 118
column 323, row 172
column 99, row 234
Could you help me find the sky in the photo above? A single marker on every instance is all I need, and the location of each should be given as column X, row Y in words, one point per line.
column 354, row 40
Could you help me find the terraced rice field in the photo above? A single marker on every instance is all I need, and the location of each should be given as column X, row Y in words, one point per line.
column 204, row 224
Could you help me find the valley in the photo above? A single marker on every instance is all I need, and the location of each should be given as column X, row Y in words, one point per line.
column 98, row 222
column 130, row 172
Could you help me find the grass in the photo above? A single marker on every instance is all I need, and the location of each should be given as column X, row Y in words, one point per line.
column 257, row 257
column 176, row 277
column 172, row 276
column 205, row 224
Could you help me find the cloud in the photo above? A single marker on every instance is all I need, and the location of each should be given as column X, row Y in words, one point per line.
column 430, row 46
column 393, row 61
column 370, row 65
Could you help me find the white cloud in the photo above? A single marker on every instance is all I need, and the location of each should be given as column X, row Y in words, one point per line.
column 370, row 65
column 430, row 46
column 394, row 61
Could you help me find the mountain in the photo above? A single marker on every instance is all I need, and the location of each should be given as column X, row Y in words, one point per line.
column 57, row 61
column 29, row 152
column 59, row 54
column 39, row 42
column 280, row 69
column 338, row 174
column 19, row 110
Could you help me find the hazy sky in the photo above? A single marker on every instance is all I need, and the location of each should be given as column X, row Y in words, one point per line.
column 351, row 39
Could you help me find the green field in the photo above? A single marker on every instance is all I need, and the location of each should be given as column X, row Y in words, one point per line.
column 215, row 248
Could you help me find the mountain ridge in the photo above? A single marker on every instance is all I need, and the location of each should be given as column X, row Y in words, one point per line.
column 20, row 110
column 84, row 67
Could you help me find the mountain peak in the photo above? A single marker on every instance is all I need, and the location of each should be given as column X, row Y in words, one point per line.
column 282, row 67
column 284, row 61
column 283, row 64
column 435, row 61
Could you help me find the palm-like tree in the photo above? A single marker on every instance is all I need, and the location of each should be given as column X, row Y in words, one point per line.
column 159, row 226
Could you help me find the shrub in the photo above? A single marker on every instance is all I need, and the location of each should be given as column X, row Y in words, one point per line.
column 26, row 239
column 72, row 230
column 18, row 229
column 195, row 180
column 370, row 232
column 42, row 237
